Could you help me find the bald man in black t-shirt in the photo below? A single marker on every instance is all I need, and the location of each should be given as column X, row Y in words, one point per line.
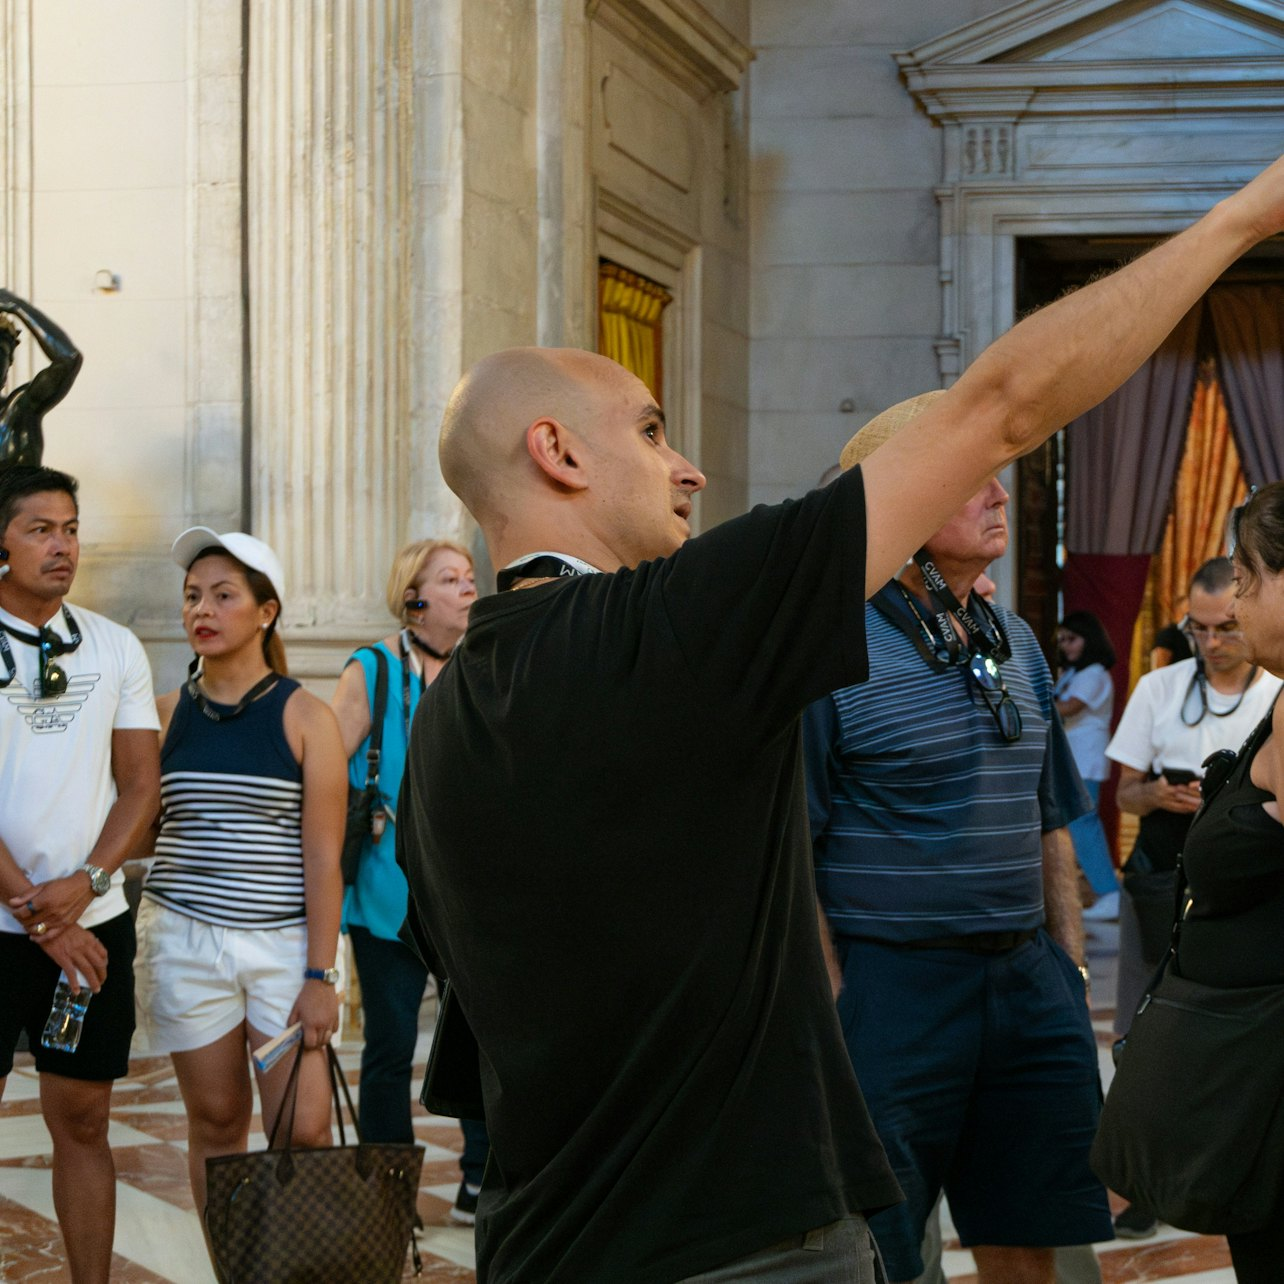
column 602, row 815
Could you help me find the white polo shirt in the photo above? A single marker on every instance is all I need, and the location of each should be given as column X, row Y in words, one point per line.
column 56, row 784
column 1151, row 733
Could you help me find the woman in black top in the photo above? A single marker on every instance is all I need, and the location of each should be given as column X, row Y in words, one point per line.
column 1233, row 930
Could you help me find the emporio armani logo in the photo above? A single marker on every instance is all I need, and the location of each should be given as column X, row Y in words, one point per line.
column 57, row 713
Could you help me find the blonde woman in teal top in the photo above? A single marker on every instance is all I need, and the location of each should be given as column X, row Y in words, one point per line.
column 430, row 590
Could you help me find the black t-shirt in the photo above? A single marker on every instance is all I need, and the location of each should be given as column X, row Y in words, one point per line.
column 605, row 827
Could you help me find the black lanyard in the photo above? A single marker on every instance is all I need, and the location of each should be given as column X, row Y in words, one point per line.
column 937, row 651
column 1199, row 681
column 539, row 566
column 56, row 645
column 405, row 682
column 214, row 710
column 986, row 633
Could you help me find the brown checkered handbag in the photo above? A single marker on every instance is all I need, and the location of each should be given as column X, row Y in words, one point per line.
column 334, row 1215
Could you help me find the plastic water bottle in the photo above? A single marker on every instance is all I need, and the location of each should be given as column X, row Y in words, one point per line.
column 66, row 1017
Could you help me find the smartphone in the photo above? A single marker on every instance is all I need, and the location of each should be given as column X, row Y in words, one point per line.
column 1179, row 775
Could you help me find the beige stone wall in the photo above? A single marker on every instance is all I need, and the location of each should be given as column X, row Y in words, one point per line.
column 846, row 294
column 123, row 160
column 417, row 186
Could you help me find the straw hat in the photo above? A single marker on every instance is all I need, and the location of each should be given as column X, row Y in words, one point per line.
column 884, row 427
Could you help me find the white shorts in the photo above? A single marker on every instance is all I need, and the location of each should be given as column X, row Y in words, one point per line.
column 195, row 981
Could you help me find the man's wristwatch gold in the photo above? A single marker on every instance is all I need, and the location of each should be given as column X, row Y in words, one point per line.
column 330, row 975
column 1087, row 977
column 99, row 879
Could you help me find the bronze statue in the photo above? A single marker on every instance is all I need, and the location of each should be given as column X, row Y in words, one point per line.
column 23, row 410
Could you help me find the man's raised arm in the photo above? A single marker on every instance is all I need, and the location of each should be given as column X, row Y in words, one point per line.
column 1048, row 370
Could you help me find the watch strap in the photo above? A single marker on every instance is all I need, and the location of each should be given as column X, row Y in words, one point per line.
column 99, row 878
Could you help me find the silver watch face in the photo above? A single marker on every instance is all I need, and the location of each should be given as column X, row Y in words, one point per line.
column 99, row 880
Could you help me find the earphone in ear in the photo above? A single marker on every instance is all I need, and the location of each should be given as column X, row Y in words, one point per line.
column 419, row 604
column 4, row 556
column 4, row 553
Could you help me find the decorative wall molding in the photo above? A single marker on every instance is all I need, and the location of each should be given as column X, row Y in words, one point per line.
column 680, row 36
column 1048, row 59
column 652, row 134
column 1071, row 117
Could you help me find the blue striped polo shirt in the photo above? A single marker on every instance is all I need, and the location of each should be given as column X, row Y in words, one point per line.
column 925, row 822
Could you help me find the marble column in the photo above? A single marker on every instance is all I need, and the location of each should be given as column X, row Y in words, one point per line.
column 328, row 175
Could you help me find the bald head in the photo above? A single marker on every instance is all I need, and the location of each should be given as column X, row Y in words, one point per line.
column 482, row 449
column 557, row 448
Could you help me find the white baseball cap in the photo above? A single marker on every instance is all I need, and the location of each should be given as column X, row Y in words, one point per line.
column 254, row 553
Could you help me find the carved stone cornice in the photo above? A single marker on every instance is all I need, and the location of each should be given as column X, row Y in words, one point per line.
column 1096, row 57
column 681, row 36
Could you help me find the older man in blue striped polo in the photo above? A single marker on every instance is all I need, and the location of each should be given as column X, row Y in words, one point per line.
column 940, row 791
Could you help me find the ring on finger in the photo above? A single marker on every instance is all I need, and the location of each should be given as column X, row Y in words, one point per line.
column 40, row 929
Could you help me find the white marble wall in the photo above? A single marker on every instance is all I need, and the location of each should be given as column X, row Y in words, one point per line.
column 846, row 298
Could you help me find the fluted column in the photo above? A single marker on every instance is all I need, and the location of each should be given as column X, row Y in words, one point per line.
column 328, row 160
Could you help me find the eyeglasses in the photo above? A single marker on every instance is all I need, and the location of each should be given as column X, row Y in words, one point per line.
column 53, row 677
column 989, row 681
column 1227, row 631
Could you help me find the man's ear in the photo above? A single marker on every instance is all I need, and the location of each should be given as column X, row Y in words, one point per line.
column 550, row 444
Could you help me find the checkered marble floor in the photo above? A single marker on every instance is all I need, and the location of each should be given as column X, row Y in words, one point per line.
column 158, row 1237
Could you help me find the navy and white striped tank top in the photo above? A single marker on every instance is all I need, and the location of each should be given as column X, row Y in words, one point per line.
column 230, row 848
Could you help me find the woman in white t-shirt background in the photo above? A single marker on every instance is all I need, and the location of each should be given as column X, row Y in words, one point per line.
column 1085, row 697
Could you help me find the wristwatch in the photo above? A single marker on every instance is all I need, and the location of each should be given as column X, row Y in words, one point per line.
column 330, row 975
column 99, row 879
column 1087, row 976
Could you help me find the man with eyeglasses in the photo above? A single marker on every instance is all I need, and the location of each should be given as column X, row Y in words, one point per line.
column 79, row 787
column 1175, row 717
column 939, row 792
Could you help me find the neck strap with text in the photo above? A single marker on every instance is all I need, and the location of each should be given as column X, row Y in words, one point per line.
column 540, row 566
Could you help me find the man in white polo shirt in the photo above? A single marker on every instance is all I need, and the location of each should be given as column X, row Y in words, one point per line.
column 79, row 787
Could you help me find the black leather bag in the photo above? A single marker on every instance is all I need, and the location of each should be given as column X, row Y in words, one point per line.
column 332, row 1215
column 366, row 815
column 1193, row 1125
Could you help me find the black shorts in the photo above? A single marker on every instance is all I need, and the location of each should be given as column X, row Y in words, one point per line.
column 30, row 978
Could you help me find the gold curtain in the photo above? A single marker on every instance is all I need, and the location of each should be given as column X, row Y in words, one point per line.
column 630, row 323
column 1210, row 482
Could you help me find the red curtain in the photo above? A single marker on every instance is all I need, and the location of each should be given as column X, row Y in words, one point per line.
column 1111, row 586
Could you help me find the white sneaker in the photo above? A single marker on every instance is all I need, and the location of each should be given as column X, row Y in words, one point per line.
column 1103, row 909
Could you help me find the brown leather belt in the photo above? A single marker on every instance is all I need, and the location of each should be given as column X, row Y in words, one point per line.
column 976, row 942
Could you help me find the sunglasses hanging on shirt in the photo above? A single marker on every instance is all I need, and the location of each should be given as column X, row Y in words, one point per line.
column 52, row 677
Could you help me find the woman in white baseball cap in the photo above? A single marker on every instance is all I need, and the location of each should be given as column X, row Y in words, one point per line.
column 239, row 926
